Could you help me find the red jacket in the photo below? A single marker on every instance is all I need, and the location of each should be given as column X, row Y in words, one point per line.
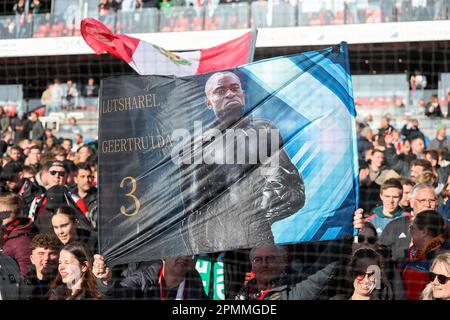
column 16, row 237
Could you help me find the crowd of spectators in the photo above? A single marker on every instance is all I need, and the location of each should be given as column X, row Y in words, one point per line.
column 183, row 15
column 57, row 97
column 48, row 209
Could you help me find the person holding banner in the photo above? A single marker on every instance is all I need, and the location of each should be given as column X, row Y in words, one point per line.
column 169, row 279
column 232, row 202
column 268, row 265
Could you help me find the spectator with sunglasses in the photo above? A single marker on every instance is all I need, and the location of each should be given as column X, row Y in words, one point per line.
column 439, row 276
column 429, row 233
column 339, row 286
column 366, row 275
column 57, row 194
column 52, row 174
column 367, row 237
column 57, row 174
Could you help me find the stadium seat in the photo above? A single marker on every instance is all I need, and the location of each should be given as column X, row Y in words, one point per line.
column 339, row 18
column 216, row 22
column 362, row 101
column 208, row 23
column 389, row 102
column 234, row 21
column 198, row 24
column 10, row 109
column 166, row 25
column 42, row 31
column 373, row 15
column 316, row 19
column 56, row 30
column 182, row 24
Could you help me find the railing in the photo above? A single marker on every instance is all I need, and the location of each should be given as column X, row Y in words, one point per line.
column 262, row 14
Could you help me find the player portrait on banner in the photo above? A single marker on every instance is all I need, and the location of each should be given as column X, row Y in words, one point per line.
column 243, row 182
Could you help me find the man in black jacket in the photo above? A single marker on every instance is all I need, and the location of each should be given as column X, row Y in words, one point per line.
column 169, row 279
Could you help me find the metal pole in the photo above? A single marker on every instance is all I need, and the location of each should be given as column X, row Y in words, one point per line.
column 27, row 6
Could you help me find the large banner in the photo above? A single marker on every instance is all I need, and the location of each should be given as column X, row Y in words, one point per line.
column 256, row 155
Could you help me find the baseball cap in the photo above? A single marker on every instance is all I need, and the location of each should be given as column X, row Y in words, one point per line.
column 56, row 197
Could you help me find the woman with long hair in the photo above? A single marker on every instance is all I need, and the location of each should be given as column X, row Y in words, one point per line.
column 75, row 280
column 365, row 273
column 439, row 286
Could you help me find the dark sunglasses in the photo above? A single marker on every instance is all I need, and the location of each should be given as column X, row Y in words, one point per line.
column 360, row 275
column 441, row 278
column 370, row 240
column 54, row 172
column 267, row 259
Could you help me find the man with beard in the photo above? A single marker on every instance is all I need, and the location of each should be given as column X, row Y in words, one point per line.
column 169, row 279
column 44, row 259
column 85, row 188
column 235, row 194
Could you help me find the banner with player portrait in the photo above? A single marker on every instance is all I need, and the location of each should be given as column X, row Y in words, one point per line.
column 260, row 154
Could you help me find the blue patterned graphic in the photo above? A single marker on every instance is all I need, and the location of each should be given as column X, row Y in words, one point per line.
column 317, row 123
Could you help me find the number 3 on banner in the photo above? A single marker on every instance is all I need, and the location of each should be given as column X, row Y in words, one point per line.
column 130, row 194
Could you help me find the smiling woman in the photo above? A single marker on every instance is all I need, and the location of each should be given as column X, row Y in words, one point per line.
column 366, row 273
column 439, row 286
column 75, row 279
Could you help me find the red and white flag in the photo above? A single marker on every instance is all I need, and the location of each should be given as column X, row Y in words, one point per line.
column 146, row 58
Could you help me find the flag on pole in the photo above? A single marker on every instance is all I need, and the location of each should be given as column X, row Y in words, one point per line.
column 147, row 58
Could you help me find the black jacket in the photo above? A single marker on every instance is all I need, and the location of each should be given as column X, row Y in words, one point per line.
column 32, row 288
column 144, row 284
column 385, row 293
